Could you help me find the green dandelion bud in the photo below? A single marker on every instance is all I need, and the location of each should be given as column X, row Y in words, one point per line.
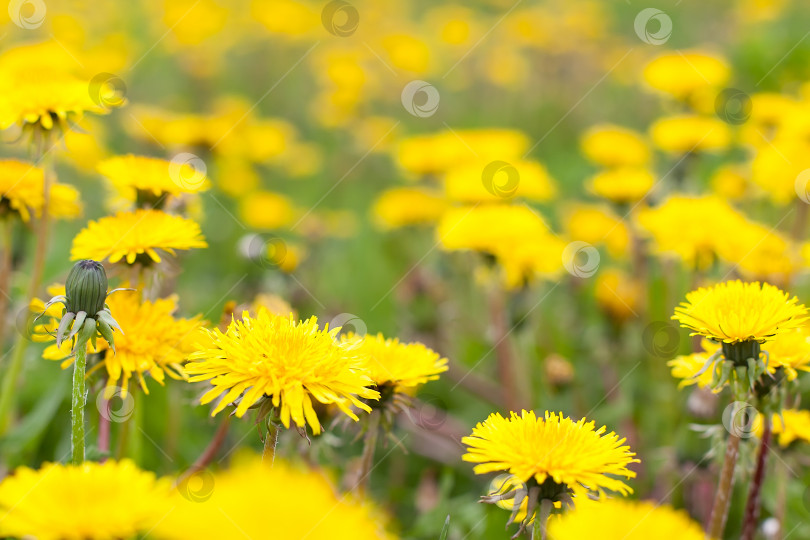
column 86, row 314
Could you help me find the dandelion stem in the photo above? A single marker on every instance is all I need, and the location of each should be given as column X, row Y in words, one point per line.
column 369, row 445
column 513, row 398
column 210, row 452
column 5, row 277
column 752, row 505
column 77, row 405
column 540, row 528
column 717, row 522
column 270, row 441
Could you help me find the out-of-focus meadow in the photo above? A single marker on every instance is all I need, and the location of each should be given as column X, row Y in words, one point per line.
column 527, row 188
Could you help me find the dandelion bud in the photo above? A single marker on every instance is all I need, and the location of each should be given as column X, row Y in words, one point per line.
column 86, row 288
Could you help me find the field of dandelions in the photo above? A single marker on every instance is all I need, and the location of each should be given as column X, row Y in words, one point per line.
column 295, row 269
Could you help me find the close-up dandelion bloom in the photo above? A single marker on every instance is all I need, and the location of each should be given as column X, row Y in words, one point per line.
column 107, row 500
column 734, row 311
column 291, row 363
column 138, row 236
column 364, row 241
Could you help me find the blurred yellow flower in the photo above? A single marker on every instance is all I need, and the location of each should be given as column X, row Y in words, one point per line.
column 266, row 210
column 690, row 368
column 596, row 225
column 401, row 207
column 290, row 362
column 790, row 351
column 136, row 237
column 730, row 182
column 618, row 294
column 683, row 73
column 305, row 504
column 779, row 169
column 22, row 190
column 623, row 185
column 615, row 146
column 407, row 52
column 150, row 179
column 690, row 133
column 438, row 152
column 616, row 519
column 498, row 180
column 286, row 17
column 539, row 257
column 789, row 425
column 92, row 501
column 489, row 227
column 396, row 366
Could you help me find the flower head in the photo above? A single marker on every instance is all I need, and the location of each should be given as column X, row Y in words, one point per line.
column 156, row 343
column 400, row 366
column 401, row 207
column 688, row 133
column 288, row 362
column 476, row 181
column 616, row 519
column 615, row 146
column 682, row 74
column 136, row 237
column 789, row 425
column 97, row 501
column 734, row 312
column 22, row 190
column 623, row 184
column 148, row 179
column 574, row 454
column 302, row 504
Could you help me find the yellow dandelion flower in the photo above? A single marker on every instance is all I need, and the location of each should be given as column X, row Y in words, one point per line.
column 98, row 501
column 494, row 181
column 615, row 146
column 758, row 251
column 290, row 362
column 266, row 210
column 779, row 169
column 618, row 294
column 684, row 73
column 691, row 228
column 489, row 227
column 556, row 448
column 153, row 342
column 735, row 312
column 438, row 152
column 789, row 425
column 730, row 182
column 690, row 368
column 539, row 257
column 690, row 133
column 136, row 236
column 617, row 519
column 151, row 177
column 402, row 207
column 623, row 185
column 305, row 504
column 400, row 366
column 597, row 225
column 22, row 190
column 790, row 351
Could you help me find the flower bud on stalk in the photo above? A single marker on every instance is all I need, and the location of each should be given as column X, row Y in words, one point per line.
column 86, row 315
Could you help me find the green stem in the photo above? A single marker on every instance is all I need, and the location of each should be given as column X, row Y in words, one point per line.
column 134, row 440
column 77, row 405
column 369, row 446
column 540, row 528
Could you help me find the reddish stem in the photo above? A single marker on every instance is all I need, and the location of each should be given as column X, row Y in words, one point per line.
column 754, row 494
